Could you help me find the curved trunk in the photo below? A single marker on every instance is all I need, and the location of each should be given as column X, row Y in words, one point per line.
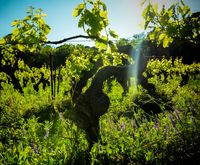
column 94, row 102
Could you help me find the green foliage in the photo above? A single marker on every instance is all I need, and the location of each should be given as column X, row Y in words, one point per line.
column 122, row 42
column 167, row 76
column 94, row 19
column 28, row 36
column 34, row 129
column 29, row 33
column 129, row 135
column 48, row 139
column 169, row 24
column 79, row 60
column 82, row 59
column 55, row 142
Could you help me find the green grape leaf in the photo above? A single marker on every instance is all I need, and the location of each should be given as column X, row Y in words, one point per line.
column 194, row 35
column 15, row 32
column 171, row 21
column 166, row 41
column 103, row 14
column 77, row 11
column 14, row 23
column 20, row 47
column 28, row 17
column 161, row 37
column 101, row 45
column 113, row 47
column 47, row 29
column 2, row 41
column 145, row 11
column 152, row 36
column 113, row 34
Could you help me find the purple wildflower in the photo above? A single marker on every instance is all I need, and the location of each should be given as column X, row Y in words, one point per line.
column 172, row 121
column 46, row 133
column 133, row 124
column 156, row 124
column 123, row 126
column 177, row 115
column 167, row 129
column 34, row 147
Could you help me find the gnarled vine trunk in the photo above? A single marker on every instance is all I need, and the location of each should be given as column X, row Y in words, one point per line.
column 91, row 105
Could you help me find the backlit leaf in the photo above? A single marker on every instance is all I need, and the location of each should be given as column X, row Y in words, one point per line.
column 47, row 29
column 166, row 41
column 27, row 18
column 195, row 34
column 161, row 37
column 14, row 23
column 144, row 13
column 103, row 14
column 20, row 47
column 113, row 34
column 112, row 46
column 101, row 45
column 15, row 32
column 2, row 41
column 152, row 36
column 77, row 11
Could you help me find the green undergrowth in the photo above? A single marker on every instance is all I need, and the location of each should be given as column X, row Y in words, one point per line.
column 35, row 130
column 131, row 134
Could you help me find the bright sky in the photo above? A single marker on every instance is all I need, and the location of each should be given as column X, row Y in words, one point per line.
column 124, row 15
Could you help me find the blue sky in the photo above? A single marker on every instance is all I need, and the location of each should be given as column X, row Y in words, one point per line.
column 124, row 15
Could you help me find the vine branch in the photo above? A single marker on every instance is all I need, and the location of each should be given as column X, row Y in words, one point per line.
column 71, row 38
column 97, row 38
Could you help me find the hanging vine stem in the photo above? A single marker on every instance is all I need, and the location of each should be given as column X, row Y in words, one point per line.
column 51, row 72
